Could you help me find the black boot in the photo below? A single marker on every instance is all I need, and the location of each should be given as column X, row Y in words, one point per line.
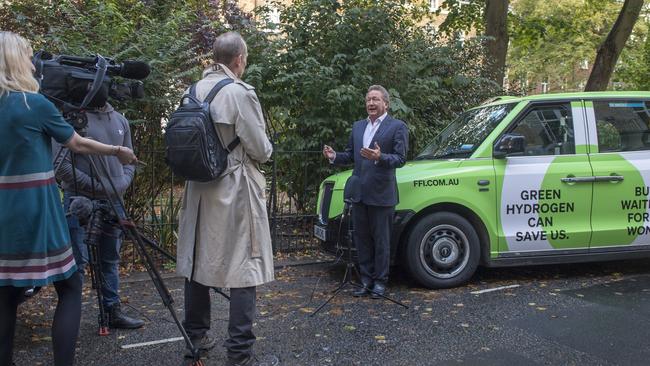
column 117, row 319
column 253, row 360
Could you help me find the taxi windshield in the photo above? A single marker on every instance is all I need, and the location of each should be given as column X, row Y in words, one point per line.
column 465, row 133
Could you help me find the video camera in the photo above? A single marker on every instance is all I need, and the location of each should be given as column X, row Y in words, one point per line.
column 75, row 84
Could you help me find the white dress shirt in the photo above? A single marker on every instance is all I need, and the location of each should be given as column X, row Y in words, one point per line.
column 369, row 133
column 371, row 128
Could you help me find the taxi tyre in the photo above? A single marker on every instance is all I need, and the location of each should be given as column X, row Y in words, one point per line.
column 443, row 250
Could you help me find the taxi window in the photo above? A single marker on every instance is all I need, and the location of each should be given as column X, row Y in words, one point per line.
column 548, row 130
column 622, row 125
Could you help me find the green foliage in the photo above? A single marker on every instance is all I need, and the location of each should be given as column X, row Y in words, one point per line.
column 633, row 70
column 330, row 52
column 311, row 71
column 161, row 34
column 462, row 16
column 551, row 42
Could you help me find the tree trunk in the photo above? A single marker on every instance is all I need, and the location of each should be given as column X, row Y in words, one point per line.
column 610, row 49
column 496, row 27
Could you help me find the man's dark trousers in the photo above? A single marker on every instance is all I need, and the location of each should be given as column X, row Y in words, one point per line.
column 240, row 323
column 372, row 229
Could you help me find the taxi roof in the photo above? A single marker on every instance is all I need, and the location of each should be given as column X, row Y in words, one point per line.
column 566, row 96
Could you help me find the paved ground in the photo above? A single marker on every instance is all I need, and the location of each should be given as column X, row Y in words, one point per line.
column 587, row 314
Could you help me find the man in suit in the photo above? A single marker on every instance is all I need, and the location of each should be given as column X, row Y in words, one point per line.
column 377, row 146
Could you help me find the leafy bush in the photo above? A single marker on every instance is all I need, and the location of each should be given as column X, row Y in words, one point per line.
column 311, row 71
column 162, row 34
column 330, row 52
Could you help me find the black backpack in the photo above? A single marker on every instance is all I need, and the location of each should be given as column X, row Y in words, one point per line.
column 194, row 150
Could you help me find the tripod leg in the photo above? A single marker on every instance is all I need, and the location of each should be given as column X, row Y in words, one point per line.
column 162, row 289
column 388, row 298
column 128, row 227
column 220, row 292
column 346, row 281
column 152, row 244
column 97, row 279
column 336, row 292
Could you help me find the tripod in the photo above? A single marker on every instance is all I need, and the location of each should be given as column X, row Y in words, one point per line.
column 129, row 228
column 350, row 268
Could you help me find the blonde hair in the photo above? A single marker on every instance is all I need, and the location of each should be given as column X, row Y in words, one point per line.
column 16, row 73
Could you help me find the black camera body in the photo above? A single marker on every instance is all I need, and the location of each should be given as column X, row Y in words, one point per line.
column 101, row 214
column 76, row 84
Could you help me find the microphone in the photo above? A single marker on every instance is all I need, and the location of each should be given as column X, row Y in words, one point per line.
column 80, row 207
column 352, row 190
column 134, row 70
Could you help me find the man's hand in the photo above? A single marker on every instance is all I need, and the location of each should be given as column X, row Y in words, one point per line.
column 125, row 155
column 371, row 154
column 328, row 152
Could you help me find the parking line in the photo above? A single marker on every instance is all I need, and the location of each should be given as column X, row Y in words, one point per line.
column 144, row 344
column 493, row 289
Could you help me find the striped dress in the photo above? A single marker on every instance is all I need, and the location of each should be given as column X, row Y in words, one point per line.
column 34, row 240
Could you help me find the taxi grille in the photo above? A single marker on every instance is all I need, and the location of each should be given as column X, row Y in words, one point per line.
column 324, row 209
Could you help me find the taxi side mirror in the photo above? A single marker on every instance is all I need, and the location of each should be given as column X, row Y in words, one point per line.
column 510, row 144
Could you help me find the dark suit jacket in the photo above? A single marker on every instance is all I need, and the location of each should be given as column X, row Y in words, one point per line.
column 377, row 183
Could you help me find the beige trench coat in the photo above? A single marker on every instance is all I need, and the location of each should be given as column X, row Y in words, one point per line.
column 223, row 235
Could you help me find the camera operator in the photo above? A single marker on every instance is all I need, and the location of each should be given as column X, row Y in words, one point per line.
column 78, row 179
column 34, row 243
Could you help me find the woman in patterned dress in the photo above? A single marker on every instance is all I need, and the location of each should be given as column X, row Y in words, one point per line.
column 34, row 241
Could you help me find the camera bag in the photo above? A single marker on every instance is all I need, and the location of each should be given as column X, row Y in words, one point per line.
column 193, row 148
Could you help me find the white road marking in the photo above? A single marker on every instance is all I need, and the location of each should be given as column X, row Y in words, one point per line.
column 493, row 289
column 144, row 344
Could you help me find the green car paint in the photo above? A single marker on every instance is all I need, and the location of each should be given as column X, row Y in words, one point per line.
column 572, row 186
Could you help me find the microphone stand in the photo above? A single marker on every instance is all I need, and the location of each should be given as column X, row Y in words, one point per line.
column 350, row 268
column 350, row 197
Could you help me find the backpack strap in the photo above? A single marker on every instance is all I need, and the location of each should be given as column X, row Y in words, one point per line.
column 233, row 144
column 216, row 89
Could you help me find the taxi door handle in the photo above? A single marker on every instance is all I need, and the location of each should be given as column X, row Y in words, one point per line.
column 578, row 179
column 608, row 178
column 598, row 178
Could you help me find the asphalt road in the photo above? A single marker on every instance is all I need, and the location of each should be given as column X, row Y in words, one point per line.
column 586, row 314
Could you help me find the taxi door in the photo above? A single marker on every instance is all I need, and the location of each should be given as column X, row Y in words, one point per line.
column 620, row 158
column 545, row 205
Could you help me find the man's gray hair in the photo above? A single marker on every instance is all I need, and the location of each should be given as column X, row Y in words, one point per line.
column 227, row 47
column 382, row 90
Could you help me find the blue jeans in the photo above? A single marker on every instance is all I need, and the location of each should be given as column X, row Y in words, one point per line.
column 109, row 248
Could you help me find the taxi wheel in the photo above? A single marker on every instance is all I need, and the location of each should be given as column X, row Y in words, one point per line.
column 443, row 250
